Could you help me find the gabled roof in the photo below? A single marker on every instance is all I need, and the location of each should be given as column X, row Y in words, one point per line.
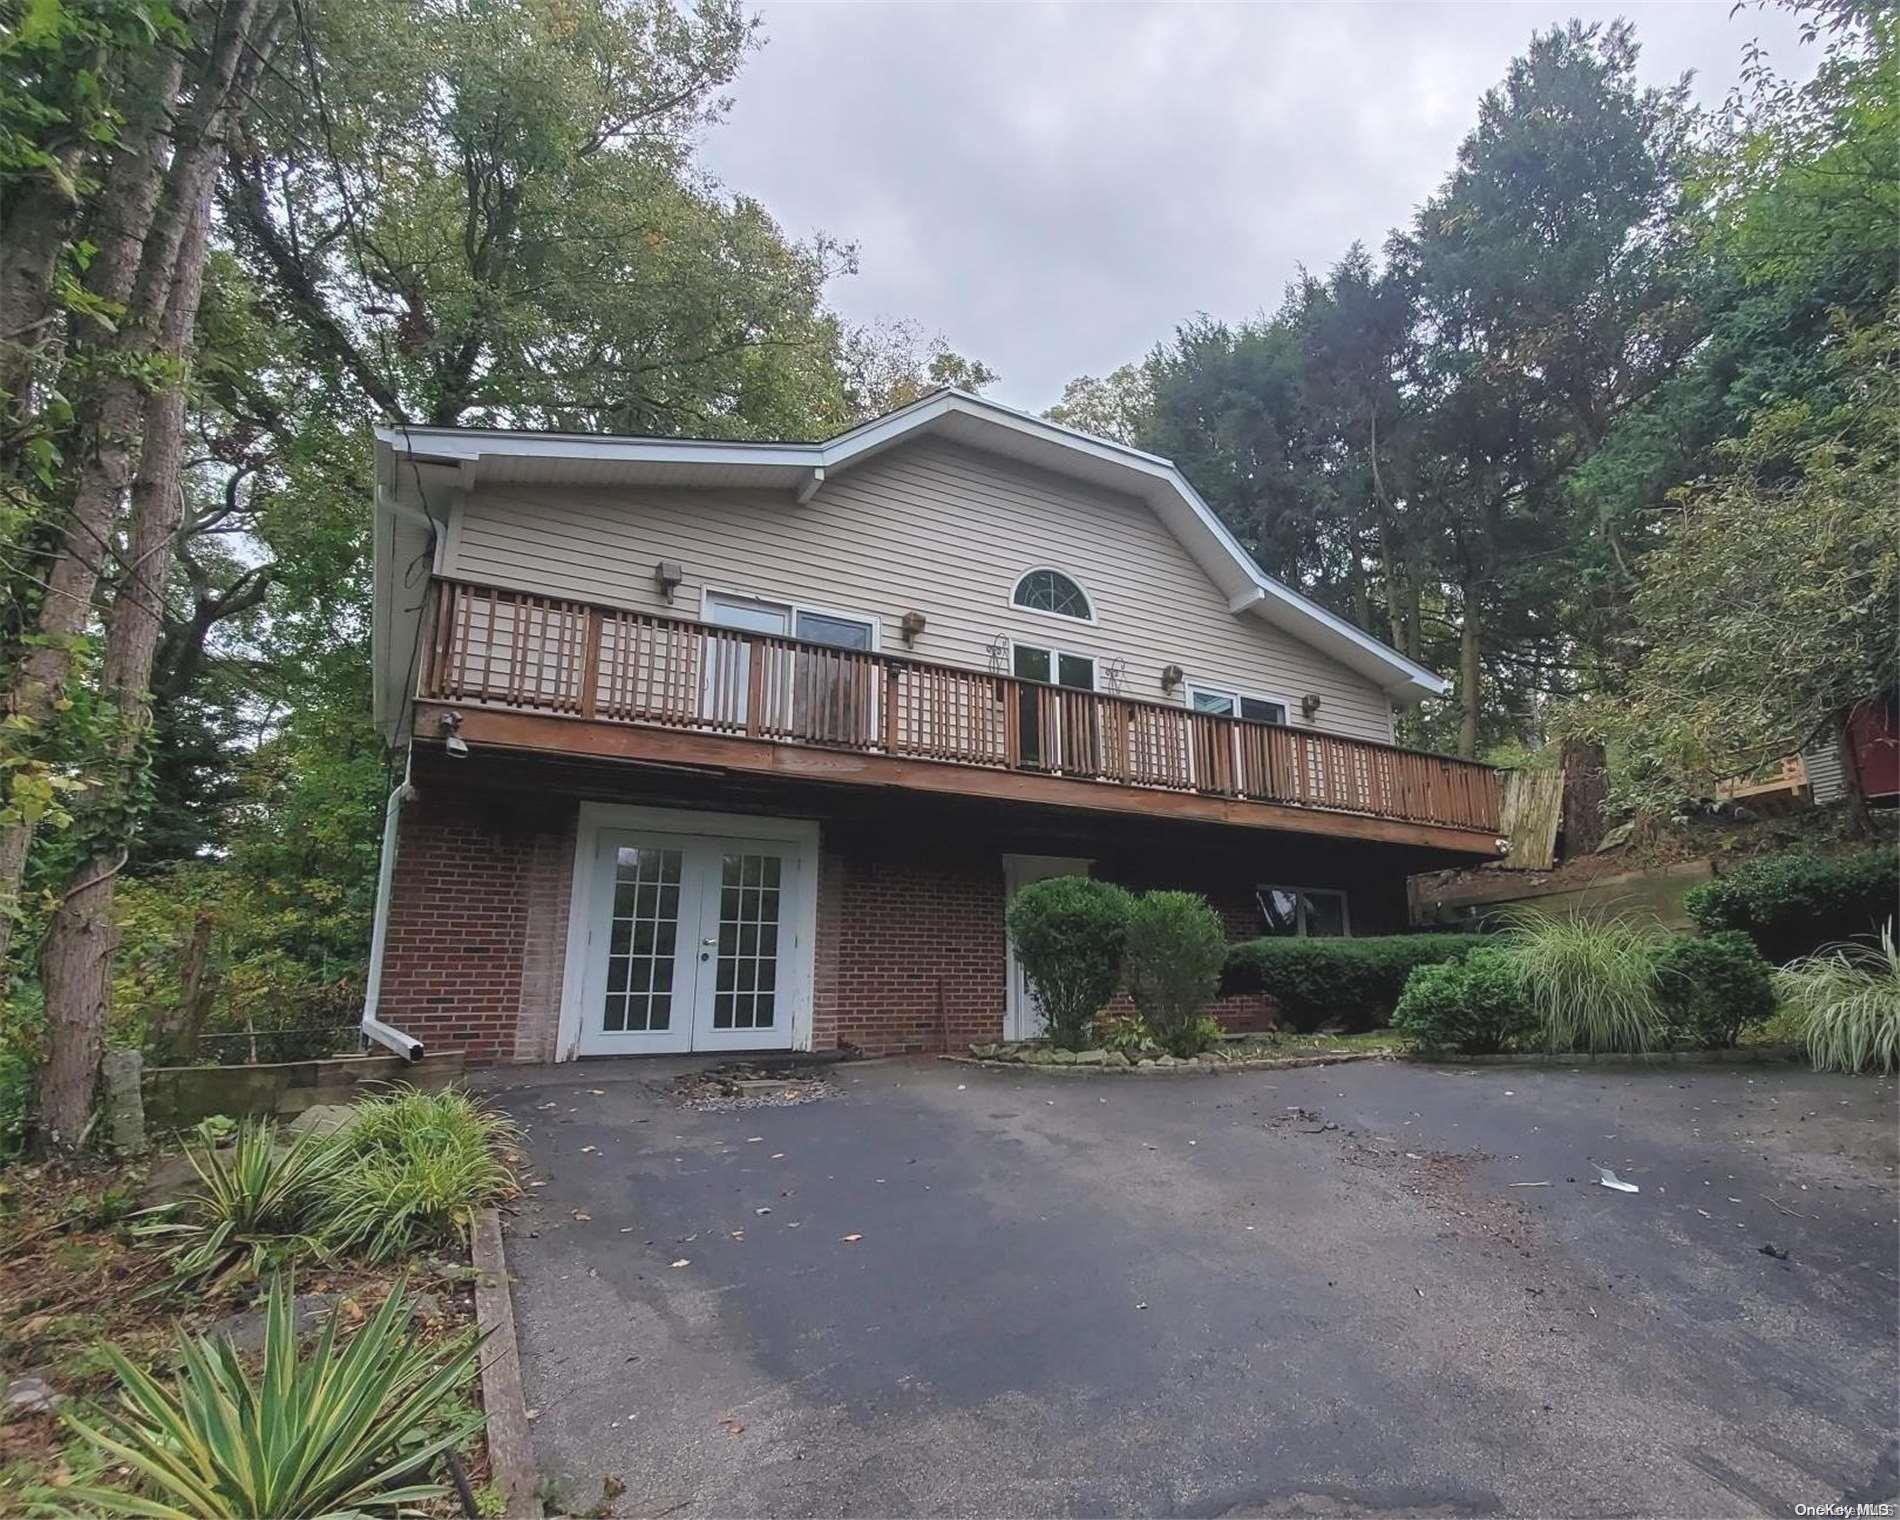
column 477, row 454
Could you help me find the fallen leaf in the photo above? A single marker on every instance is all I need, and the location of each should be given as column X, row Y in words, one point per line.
column 731, row 1426
column 611, row 1487
column 851, row 1238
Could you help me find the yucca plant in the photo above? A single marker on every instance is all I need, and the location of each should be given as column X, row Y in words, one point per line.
column 1591, row 979
column 345, row 1430
column 256, row 1203
column 412, row 1169
column 1847, row 998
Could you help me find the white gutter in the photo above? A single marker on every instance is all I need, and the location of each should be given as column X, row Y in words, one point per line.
column 405, row 1045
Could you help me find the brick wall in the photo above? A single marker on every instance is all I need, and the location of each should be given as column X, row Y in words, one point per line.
column 475, row 874
column 910, row 942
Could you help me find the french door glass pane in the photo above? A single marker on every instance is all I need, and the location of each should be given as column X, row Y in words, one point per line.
column 1259, row 711
column 1075, row 670
column 745, row 986
column 1031, row 664
column 1214, row 702
column 743, row 612
column 840, row 633
column 642, row 938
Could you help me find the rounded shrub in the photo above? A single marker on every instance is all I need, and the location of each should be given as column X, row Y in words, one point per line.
column 1475, row 1006
column 1173, row 960
column 1069, row 933
column 1355, row 982
column 1792, row 904
column 1712, row 987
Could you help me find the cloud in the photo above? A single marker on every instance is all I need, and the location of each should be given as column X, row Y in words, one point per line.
column 1054, row 187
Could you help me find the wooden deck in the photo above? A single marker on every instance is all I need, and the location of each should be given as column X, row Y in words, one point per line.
column 541, row 674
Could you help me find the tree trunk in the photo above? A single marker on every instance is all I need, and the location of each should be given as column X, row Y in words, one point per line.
column 76, row 967
column 1859, row 820
column 1470, row 676
column 198, row 987
column 75, row 962
column 1585, row 791
column 128, row 202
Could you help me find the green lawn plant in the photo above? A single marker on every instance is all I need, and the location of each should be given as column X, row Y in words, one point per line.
column 1591, row 979
column 1847, row 998
column 411, row 1169
column 256, row 1201
column 350, row 1428
column 1473, row 1006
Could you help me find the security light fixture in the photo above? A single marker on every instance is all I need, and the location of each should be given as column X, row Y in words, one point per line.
column 1309, row 704
column 1172, row 676
column 452, row 739
column 667, row 575
column 912, row 625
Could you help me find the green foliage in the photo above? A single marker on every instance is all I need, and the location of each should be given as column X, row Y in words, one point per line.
column 1713, row 987
column 1069, row 933
column 350, row 1428
column 1473, row 1006
column 1202, row 1032
column 411, row 1169
column 1355, row 981
column 1792, row 904
column 1591, row 980
column 1126, row 1033
column 1172, row 959
column 261, row 1201
column 1847, row 998
column 16, row 1099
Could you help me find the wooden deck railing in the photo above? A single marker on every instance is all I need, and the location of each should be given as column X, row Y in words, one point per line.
column 541, row 654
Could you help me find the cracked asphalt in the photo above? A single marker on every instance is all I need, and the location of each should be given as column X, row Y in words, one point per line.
column 1297, row 1293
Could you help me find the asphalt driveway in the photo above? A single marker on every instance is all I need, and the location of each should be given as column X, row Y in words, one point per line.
column 1310, row 1292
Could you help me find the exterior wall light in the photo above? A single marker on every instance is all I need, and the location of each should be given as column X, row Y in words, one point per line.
column 1309, row 704
column 911, row 626
column 1171, row 677
column 667, row 575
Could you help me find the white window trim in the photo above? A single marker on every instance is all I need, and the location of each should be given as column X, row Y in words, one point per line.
column 1060, row 617
column 875, row 623
column 803, row 917
column 1193, row 689
column 1302, row 893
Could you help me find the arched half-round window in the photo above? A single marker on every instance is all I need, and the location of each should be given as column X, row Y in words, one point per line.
column 1052, row 591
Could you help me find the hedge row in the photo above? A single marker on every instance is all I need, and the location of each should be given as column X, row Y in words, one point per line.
column 1356, row 981
column 1792, row 904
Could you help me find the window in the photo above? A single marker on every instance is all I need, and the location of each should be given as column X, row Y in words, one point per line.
column 1231, row 704
column 1303, row 912
column 818, row 696
column 1052, row 591
column 1045, row 731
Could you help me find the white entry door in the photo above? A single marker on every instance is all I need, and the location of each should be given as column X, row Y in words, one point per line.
column 1022, row 1019
column 692, row 944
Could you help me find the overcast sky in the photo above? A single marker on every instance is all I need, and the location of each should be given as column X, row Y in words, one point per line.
column 1053, row 187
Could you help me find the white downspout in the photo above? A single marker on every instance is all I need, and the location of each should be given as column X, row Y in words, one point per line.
column 405, row 1045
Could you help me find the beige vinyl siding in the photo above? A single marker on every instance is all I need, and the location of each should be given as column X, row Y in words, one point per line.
column 929, row 526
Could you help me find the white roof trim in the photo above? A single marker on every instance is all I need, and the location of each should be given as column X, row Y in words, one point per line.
column 1147, row 475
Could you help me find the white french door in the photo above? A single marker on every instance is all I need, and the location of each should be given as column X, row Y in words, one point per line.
column 692, row 943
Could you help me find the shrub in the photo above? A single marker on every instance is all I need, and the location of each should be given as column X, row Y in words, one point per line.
column 1712, row 987
column 1848, row 998
column 1475, row 1006
column 1174, row 955
column 344, row 1430
column 1202, row 1032
column 1357, row 981
column 257, row 1203
column 1127, row 1033
column 412, row 1169
column 16, row 1100
column 1069, row 932
column 1791, row 905
column 1591, row 979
